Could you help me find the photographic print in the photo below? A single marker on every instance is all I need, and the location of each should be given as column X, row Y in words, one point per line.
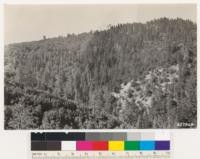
column 128, row 66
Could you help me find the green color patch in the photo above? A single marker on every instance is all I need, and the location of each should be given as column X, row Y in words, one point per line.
column 132, row 145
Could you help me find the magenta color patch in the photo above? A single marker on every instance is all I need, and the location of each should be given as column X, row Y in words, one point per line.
column 83, row 145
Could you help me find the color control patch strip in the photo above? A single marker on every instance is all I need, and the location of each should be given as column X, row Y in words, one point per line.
column 51, row 141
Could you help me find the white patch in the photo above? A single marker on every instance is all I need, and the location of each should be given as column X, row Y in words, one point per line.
column 136, row 90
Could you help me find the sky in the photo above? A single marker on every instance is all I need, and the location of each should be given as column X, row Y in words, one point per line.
column 31, row 22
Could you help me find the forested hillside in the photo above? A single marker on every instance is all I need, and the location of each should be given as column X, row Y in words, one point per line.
column 127, row 76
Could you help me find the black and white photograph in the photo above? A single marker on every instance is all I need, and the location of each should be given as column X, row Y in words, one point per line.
column 95, row 66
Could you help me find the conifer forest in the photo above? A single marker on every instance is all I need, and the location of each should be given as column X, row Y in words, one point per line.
column 128, row 76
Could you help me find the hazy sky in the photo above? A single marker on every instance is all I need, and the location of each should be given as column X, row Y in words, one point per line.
column 31, row 22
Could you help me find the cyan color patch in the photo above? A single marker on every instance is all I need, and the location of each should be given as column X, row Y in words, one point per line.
column 147, row 145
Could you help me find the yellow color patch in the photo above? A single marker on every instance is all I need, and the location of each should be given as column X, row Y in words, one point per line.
column 116, row 145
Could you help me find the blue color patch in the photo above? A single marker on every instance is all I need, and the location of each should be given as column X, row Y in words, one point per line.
column 147, row 145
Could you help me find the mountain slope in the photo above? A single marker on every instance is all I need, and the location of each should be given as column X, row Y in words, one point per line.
column 90, row 69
